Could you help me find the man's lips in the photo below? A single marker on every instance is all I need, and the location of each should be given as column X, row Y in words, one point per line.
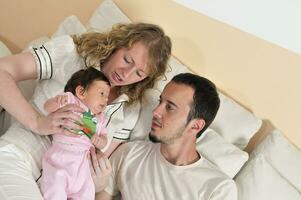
column 156, row 124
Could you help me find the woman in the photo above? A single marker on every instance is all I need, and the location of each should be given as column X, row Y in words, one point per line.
column 132, row 56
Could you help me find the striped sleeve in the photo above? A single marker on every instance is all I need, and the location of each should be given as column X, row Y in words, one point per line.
column 43, row 61
column 53, row 55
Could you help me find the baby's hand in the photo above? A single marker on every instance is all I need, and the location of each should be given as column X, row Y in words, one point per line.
column 99, row 141
column 62, row 100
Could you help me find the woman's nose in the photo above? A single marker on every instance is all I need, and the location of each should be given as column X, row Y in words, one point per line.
column 128, row 71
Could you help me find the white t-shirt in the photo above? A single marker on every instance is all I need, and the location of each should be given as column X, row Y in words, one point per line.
column 141, row 172
column 56, row 61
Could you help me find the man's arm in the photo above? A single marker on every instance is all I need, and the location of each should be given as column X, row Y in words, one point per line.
column 103, row 196
column 101, row 170
column 114, row 144
column 105, row 172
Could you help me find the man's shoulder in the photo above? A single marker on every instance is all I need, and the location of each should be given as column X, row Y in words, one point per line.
column 133, row 150
column 217, row 181
column 138, row 145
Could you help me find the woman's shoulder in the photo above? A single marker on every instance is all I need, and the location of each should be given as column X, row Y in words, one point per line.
column 64, row 42
column 53, row 52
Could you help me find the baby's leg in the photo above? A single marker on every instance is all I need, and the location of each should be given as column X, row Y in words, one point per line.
column 84, row 186
column 54, row 179
column 16, row 179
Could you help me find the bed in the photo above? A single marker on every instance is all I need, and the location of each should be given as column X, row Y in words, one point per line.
column 270, row 171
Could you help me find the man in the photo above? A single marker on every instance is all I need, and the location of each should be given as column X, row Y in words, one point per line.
column 171, row 167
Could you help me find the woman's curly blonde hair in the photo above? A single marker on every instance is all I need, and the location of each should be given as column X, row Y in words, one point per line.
column 96, row 48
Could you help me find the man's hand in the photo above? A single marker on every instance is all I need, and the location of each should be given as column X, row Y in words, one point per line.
column 100, row 168
column 99, row 141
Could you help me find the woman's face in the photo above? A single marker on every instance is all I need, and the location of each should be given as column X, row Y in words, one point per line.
column 127, row 66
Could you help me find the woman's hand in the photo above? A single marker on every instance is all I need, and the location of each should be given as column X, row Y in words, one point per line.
column 60, row 121
column 100, row 168
column 62, row 99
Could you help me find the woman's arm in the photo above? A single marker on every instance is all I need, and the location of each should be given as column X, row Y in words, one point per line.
column 20, row 67
column 13, row 69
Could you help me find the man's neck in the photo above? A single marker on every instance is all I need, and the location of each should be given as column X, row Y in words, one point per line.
column 180, row 154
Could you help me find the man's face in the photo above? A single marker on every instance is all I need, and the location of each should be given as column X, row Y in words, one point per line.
column 170, row 116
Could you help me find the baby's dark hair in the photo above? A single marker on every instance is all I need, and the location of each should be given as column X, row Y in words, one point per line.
column 85, row 78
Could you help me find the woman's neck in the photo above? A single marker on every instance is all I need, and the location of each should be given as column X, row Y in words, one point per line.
column 113, row 95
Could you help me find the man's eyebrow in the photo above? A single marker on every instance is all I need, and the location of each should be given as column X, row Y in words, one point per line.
column 172, row 103
column 168, row 101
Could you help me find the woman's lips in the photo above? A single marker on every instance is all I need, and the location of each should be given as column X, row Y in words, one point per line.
column 116, row 77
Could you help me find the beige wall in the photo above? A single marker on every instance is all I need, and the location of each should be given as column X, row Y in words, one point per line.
column 23, row 21
column 259, row 75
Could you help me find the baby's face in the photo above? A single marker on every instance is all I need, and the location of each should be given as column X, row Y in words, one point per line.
column 96, row 96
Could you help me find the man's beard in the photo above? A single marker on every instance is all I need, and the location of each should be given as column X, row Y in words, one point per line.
column 167, row 140
column 154, row 138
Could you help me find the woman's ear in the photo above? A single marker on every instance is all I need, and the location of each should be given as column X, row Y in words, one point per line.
column 80, row 92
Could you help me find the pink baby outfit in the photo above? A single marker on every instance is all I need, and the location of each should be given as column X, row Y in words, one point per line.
column 66, row 171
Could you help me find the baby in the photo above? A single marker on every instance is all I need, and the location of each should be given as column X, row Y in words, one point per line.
column 66, row 172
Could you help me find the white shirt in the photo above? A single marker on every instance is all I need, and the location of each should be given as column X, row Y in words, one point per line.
column 141, row 172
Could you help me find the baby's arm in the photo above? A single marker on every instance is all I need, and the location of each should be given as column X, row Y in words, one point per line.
column 55, row 103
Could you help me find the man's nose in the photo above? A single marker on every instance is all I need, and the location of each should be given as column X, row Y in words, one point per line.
column 157, row 112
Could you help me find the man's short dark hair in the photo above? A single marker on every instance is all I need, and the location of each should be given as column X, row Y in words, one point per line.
column 85, row 78
column 205, row 99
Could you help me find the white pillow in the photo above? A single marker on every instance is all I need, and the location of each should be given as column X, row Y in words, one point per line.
column 4, row 51
column 106, row 15
column 258, row 180
column 227, row 157
column 70, row 26
column 273, row 171
column 282, row 155
column 143, row 126
column 233, row 122
column 4, row 120
column 236, row 124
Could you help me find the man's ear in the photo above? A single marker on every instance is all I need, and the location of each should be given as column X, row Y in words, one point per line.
column 197, row 125
column 80, row 92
